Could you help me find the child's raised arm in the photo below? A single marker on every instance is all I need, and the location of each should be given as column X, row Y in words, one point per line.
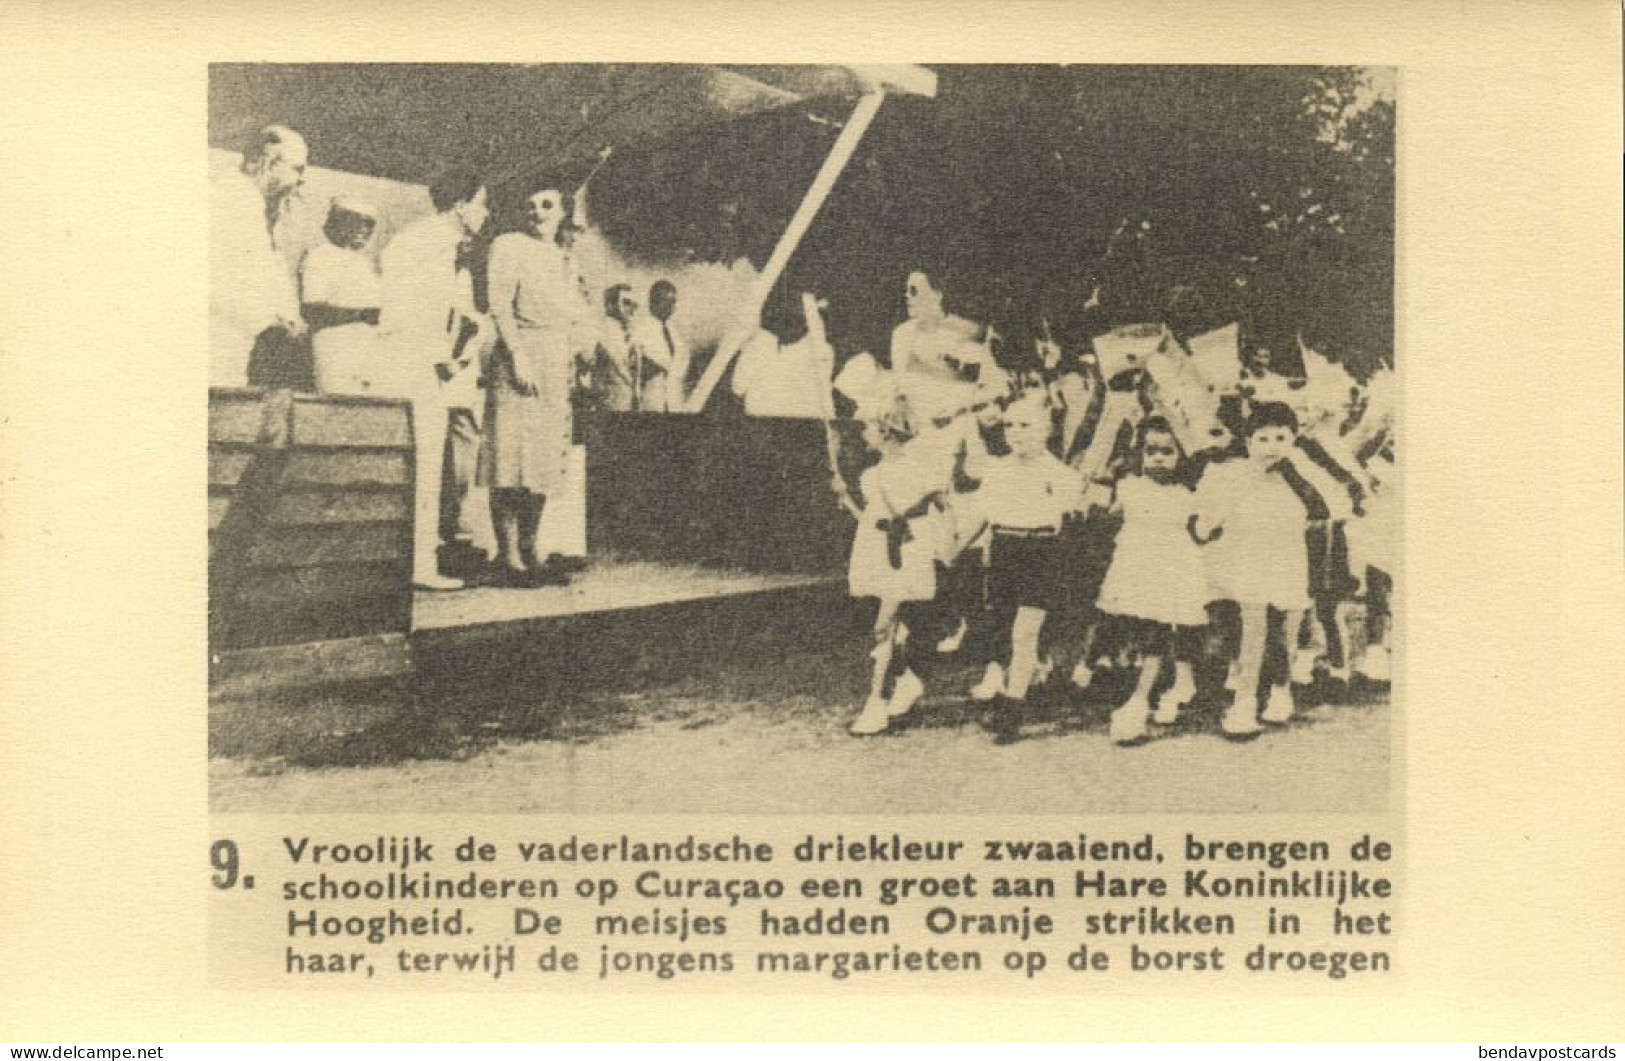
column 1310, row 493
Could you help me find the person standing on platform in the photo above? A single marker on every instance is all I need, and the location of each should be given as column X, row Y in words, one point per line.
column 423, row 306
column 619, row 362
column 666, row 353
column 533, row 283
column 252, row 300
column 338, row 294
column 464, row 517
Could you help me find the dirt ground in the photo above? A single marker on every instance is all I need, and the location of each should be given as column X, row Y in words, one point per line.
column 767, row 736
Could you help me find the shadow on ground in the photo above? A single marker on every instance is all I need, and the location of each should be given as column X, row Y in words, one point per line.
column 455, row 711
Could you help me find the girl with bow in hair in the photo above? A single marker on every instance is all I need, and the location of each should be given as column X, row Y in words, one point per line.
column 1156, row 586
column 893, row 557
column 1253, row 514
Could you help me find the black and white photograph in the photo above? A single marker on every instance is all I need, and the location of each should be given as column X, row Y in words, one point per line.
column 804, row 439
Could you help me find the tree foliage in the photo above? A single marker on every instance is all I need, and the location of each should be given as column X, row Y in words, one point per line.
column 1014, row 180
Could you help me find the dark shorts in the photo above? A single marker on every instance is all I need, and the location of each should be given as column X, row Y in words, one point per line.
column 1087, row 546
column 1024, row 571
column 1124, row 634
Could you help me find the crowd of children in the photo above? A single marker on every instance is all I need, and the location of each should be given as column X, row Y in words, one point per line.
column 1076, row 520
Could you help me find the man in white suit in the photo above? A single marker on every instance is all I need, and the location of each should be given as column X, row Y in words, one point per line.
column 424, row 303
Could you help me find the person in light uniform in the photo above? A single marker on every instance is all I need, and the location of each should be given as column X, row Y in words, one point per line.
column 620, row 363
column 424, row 302
column 339, row 293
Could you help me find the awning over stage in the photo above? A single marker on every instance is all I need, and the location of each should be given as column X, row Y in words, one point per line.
column 406, row 121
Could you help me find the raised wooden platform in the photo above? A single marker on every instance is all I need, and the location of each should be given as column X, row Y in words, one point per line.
column 618, row 626
column 711, row 537
column 606, row 586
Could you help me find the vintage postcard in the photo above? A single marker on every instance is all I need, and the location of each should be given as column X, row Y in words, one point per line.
column 874, row 530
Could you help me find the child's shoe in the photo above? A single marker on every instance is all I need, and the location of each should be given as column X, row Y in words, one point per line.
column 1376, row 665
column 905, row 694
column 873, row 719
column 1240, row 721
column 1082, row 674
column 1175, row 698
column 991, row 686
column 1280, row 707
column 1128, row 723
column 1004, row 719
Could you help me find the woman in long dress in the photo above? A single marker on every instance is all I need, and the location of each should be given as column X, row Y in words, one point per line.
column 533, row 296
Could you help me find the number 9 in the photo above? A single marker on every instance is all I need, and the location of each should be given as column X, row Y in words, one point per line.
column 223, row 857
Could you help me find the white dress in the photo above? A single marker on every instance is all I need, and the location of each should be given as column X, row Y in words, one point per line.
column 895, row 485
column 1262, row 558
column 347, row 356
column 1156, row 571
column 527, row 438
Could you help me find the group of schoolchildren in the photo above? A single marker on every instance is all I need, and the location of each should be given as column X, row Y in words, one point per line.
column 978, row 540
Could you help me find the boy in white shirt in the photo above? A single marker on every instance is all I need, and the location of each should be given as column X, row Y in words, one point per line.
column 1024, row 498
